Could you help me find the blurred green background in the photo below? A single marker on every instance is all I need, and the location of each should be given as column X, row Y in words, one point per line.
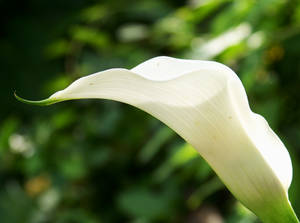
column 101, row 161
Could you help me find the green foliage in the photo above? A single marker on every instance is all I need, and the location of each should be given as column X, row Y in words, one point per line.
column 99, row 161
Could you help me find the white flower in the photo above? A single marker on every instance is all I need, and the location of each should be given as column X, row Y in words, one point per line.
column 206, row 104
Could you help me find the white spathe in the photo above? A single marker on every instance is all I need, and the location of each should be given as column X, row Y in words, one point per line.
column 206, row 104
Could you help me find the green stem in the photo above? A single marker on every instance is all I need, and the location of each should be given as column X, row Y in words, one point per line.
column 285, row 214
column 44, row 102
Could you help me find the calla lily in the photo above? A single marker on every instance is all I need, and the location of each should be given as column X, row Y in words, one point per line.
column 206, row 104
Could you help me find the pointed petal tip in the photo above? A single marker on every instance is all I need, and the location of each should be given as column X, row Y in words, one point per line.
column 44, row 102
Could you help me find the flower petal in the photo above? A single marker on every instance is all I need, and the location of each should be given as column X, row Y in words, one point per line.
column 206, row 104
